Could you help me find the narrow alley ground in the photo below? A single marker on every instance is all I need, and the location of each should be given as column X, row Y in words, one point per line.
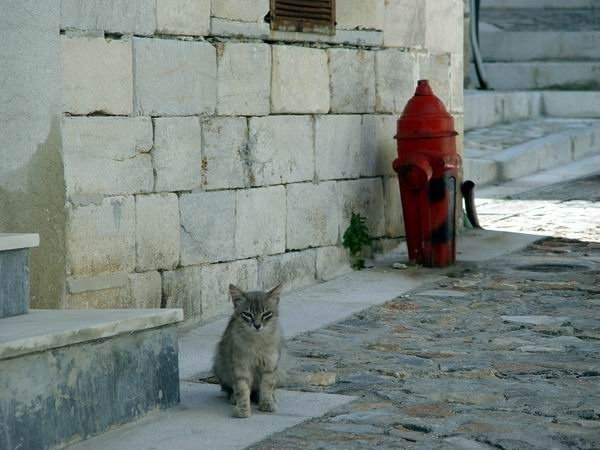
column 503, row 354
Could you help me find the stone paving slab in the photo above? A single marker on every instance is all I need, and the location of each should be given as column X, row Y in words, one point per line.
column 203, row 421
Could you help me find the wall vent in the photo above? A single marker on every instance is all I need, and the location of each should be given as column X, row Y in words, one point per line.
column 316, row 16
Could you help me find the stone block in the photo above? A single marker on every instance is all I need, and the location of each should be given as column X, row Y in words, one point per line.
column 225, row 153
column 332, row 262
column 260, row 222
column 203, row 291
column 294, row 270
column 394, row 220
column 97, row 75
column 459, row 125
column 114, row 16
column 145, row 289
column 280, row 149
column 244, row 79
column 174, row 77
column 404, row 23
column 338, row 146
column 436, row 69
column 187, row 17
column 115, row 147
column 216, row 279
column 300, row 80
column 97, row 282
column 207, row 227
column 379, row 147
column 177, row 153
column 157, row 232
column 364, row 197
column 311, row 221
column 395, row 79
column 456, row 83
column 109, row 298
column 444, row 26
column 352, row 80
column 359, row 14
column 101, row 238
column 246, row 11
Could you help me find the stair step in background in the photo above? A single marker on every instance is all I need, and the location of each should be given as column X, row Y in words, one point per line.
column 539, row 4
column 510, row 151
column 539, row 45
column 542, row 75
column 487, row 108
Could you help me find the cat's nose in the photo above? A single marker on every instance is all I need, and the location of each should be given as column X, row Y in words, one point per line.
column 258, row 326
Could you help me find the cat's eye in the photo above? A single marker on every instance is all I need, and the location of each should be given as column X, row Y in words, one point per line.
column 247, row 317
column 267, row 315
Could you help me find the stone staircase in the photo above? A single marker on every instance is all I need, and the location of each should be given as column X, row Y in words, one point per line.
column 542, row 60
column 66, row 375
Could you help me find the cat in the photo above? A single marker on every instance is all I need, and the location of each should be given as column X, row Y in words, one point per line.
column 248, row 359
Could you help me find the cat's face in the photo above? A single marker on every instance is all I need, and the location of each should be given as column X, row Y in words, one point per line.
column 257, row 311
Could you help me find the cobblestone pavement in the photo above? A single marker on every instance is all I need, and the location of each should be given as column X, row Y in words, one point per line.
column 543, row 20
column 504, row 354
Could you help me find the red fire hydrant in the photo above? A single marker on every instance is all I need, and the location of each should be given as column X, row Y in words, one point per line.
column 427, row 168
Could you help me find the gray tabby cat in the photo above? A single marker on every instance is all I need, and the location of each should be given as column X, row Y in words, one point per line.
column 248, row 357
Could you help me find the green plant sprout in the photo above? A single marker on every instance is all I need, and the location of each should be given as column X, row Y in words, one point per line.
column 355, row 237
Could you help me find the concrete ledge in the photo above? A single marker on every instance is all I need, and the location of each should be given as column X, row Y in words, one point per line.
column 262, row 30
column 41, row 330
column 14, row 241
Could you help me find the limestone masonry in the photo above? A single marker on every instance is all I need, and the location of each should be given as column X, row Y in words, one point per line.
column 200, row 148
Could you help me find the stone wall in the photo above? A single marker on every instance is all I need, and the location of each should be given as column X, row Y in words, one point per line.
column 201, row 148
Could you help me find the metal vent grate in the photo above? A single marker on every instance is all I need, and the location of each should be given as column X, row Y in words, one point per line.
column 317, row 16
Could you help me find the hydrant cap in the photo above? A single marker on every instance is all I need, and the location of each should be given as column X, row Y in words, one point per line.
column 425, row 116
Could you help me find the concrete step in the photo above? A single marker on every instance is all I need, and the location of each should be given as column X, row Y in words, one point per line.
column 581, row 75
column 488, row 108
column 539, row 4
column 539, row 45
column 571, row 104
column 66, row 375
column 510, row 151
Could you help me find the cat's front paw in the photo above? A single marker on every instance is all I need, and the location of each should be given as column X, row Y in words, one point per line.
column 267, row 406
column 241, row 412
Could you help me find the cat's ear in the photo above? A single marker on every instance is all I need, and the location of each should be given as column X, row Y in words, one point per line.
column 275, row 293
column 236, row 294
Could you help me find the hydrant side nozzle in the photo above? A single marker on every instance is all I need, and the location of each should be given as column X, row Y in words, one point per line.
column 415, row 173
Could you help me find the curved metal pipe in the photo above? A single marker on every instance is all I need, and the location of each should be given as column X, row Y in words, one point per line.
column 474, row 37
column 468, row 192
